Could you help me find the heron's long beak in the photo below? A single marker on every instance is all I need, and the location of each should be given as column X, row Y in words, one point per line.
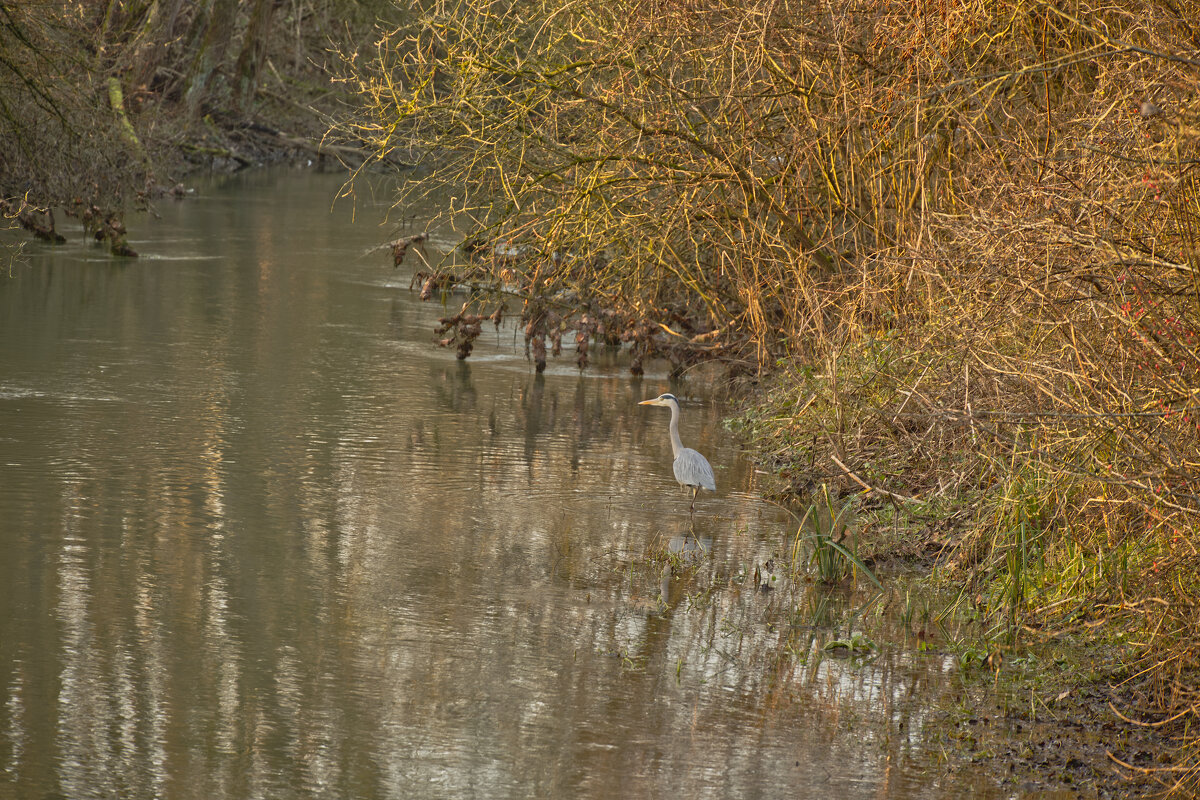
column 652, row 402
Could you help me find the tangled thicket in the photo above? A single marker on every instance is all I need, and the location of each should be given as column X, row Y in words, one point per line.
column 101, row 102
column 967, row 238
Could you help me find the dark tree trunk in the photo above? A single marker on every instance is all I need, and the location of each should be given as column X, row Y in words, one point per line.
column 211, row 31
column 154, row 50
column 254, row 50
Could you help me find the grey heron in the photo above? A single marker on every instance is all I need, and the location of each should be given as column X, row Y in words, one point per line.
column 691, row 468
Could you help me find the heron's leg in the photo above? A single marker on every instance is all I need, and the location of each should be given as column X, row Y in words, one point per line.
column 695, row 491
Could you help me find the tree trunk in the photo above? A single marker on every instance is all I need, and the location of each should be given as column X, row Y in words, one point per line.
column 254, row 50
column 211, row 31
column 154, row 48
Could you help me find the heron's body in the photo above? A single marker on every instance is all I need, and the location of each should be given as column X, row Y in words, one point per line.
column 692, row 470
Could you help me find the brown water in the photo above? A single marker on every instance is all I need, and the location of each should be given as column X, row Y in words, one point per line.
column 261, row 538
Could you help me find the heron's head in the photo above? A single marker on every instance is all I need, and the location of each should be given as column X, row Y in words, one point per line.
column 662, row 400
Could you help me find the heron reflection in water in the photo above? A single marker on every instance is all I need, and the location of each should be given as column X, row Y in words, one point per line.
column 692, row 470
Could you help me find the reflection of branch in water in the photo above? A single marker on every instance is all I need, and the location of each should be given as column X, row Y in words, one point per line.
column 454, row 386
column 532, row 405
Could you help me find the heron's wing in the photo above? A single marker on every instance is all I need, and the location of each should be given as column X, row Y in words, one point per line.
column 693, row 469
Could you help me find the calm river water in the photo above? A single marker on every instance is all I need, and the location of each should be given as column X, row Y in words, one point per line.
column 261, row 538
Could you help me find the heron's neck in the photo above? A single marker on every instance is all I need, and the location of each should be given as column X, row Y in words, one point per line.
column 676, row 444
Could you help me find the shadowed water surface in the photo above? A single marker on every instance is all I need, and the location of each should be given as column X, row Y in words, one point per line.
column 262, row 539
